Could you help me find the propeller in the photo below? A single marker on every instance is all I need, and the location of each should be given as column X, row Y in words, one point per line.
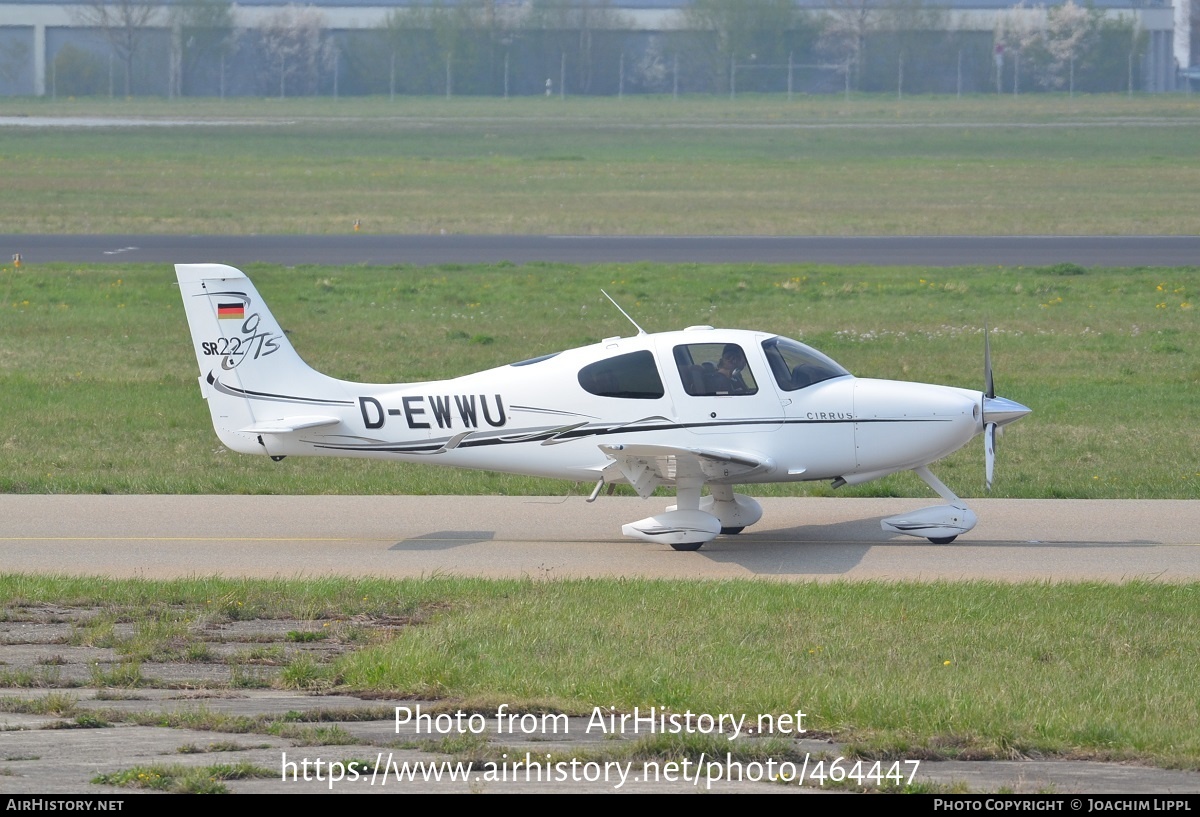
column 989, row 454
column 989, row 429
column 997, row 412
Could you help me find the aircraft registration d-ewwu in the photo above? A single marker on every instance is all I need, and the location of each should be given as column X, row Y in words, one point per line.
column 696, row 408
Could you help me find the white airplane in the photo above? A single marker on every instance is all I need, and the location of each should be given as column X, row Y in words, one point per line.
column 694, row 408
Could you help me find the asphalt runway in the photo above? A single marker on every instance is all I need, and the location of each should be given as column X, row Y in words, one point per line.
column 565, row 537
column 291, row 250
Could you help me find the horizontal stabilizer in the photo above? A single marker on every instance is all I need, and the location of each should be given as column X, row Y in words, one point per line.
column 286, row 425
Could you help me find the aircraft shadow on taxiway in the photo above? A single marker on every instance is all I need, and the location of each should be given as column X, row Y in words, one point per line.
column 830, row 549
column 835, row 549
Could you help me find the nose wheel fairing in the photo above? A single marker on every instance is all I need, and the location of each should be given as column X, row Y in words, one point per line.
column 940, row 524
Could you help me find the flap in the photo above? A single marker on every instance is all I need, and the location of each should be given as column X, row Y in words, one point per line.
column 648, row 466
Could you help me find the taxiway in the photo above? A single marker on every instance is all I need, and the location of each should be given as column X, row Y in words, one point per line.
column 560, row 537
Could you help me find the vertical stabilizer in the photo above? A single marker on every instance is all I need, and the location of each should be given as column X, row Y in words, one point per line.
column 249, row 373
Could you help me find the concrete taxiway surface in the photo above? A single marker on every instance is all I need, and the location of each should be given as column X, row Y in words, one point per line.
column 540, row 537
column 556, row 537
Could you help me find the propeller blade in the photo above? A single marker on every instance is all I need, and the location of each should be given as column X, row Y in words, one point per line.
column 989, row 386
column 989, row 449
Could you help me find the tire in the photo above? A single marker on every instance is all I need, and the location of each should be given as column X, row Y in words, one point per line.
column 687, row 546
column 732, row 531
column 942, row 540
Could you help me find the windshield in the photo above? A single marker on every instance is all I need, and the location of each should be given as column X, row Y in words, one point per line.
column 796, row 365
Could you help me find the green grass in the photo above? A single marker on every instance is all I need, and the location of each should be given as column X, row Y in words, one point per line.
column 900, row 668
column 59, row 704
column 179, row 779
column 637, row 109
column 99, row 381
column 895, row 670
column 871, row 165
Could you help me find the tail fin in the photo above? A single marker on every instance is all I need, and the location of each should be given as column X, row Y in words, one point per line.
column 252, row 378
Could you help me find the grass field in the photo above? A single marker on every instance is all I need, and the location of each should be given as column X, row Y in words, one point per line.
column 822, row 166
column 97, row 364
column 895, row 670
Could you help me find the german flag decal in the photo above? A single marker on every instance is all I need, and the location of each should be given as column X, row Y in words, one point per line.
column 234, row 312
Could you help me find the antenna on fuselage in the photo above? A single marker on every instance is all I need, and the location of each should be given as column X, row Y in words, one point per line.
column 641, row 331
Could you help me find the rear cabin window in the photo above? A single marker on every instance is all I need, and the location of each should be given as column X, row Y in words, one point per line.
column 633, row 377
column 714, row 369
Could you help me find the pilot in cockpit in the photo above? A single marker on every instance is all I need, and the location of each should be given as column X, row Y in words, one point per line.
column 726, row 378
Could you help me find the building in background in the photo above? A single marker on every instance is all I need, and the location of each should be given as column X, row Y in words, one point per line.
column 561, row 47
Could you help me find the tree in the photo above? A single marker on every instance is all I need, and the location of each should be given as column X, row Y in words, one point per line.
column 1053, row 43
column 124, row 24
column 913, row 30
column 441, row 42
column 1015, row 32
column 76, row 72
column 205, row 29
column 1070, row 34
column 294, row 42
column 743, row 30
column 844, row 36
column 569, row 30
column 1115, row 59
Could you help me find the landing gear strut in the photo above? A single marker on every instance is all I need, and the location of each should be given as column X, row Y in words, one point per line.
column 695, row 519
column 940, row 524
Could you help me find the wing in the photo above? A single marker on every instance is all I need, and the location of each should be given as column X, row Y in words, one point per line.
column 646, row 467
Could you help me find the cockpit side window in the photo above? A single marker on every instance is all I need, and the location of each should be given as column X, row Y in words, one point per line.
column 714, row 369
column 795, row 365
column 633, row 376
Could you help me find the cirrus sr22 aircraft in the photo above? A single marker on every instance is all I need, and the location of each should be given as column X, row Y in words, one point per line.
column 697, row 408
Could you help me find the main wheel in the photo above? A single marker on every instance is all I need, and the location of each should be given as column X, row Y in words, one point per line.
column 732, row 531
column 687, row 545
column 942, row 540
